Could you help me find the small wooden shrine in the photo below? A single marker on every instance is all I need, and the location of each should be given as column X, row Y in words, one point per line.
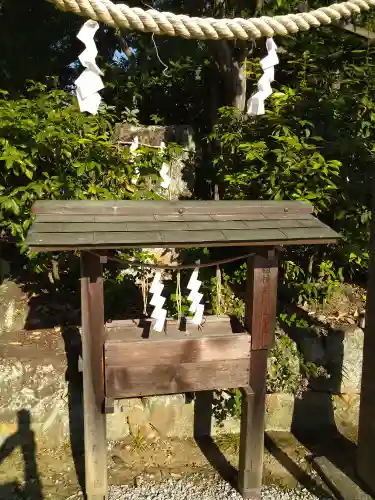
column 129, row 360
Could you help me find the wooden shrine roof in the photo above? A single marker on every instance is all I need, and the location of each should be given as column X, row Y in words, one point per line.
column 67, row 225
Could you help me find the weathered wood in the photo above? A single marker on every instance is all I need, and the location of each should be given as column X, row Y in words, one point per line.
column 252, row 428
column 64, row 225
column 213, row 327
column 366, row 427
column 178, row 239
column 111, row 226
column 149, row 380
column 308, row 233
column 93, row 378
column 144, row 352
column 109, row 406
column 109, row 218
column 260, row 318
column 145, row 207
column 261, row 298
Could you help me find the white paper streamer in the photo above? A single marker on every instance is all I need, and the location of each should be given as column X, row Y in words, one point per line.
column 195, row 297
column 89, row 82
column 132, row 149
column 268, row 63
column 157, row 301
column 164, row 171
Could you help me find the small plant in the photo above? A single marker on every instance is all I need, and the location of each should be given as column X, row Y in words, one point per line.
column 229, row 443
column 138, row 441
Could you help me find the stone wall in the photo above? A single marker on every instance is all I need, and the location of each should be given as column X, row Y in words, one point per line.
column 35, row 376
column 40, row 373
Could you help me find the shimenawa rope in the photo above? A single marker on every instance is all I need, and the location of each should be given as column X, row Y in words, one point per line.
column 167, row 23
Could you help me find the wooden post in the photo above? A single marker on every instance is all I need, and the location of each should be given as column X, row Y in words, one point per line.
column 366, row 427
column 260, row 315
column 93, row 377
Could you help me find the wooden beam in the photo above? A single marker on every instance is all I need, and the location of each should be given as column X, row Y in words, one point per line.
column 366, row 428
column 356, row 30
column 93, row 378
column 260, row 317
column 174, row 351
column 261, row 295
column 150, row 380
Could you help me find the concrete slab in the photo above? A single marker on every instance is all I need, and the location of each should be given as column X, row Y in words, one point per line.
column 342, row 486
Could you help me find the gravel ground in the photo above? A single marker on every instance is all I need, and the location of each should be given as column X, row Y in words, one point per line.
column 200, row 488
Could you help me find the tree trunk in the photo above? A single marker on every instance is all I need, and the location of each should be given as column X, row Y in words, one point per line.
column 230, row 63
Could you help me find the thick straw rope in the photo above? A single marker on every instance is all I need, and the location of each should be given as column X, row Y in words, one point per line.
column 166, row 23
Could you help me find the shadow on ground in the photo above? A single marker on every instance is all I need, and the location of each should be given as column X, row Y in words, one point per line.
column 31, row 489
column 203, row 438
column 329, row 442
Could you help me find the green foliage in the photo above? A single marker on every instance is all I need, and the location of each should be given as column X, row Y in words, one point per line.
column 288, row 372
column 48, row 149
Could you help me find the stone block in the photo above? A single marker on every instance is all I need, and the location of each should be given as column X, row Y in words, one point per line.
column 344, row 354
column 181, row 173
column 14, row 308
column 279, row 412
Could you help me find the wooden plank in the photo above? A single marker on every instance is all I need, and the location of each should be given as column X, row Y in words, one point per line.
column 151, row 380
column 366, row 427
column 56, row 239
column 144, row 352
column 260, row 319
column 213, row 327
column 217, row 225
column 47, row 246
column 309, row 233
column 273, row 223
column 63, row 218
column 288, row 216
column 173, row 237
column 357, row 30
column 133, row 239
column 311, row 222
column 93, row 377
column 170, row 233
column 254, row 235
column 145, row 207
column 111, row 226
column 261, row 299
column 157, row 226
column 252, row 428
column 77, row 227
column 177, row 218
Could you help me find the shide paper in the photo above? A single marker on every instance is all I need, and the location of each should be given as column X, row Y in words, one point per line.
column 268, row 63
column 159, row 313
column 164, row 172
column 89, row 83
column 195, row 297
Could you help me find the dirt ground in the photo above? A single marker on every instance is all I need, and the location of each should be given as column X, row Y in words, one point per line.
column 51, row 474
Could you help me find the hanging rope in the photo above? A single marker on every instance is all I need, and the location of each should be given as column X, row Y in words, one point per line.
column 179, row 296
column 142, row 265
column 144, row 294
column 218, row 291
column 166, row 23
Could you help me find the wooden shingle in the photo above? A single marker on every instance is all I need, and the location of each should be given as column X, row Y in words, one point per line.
column 63, row 225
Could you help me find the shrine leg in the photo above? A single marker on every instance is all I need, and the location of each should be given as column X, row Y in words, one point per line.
column 93, row 380
column 260, row 313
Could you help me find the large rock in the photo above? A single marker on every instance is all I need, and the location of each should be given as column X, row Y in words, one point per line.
column 14, row 307
column 340, row 352
column 344, row 354
column 181, row 172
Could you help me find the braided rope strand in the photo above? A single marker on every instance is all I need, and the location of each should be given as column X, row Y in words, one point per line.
column 166, row 23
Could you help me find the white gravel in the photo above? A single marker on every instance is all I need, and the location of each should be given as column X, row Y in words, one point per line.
column 200, row 488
